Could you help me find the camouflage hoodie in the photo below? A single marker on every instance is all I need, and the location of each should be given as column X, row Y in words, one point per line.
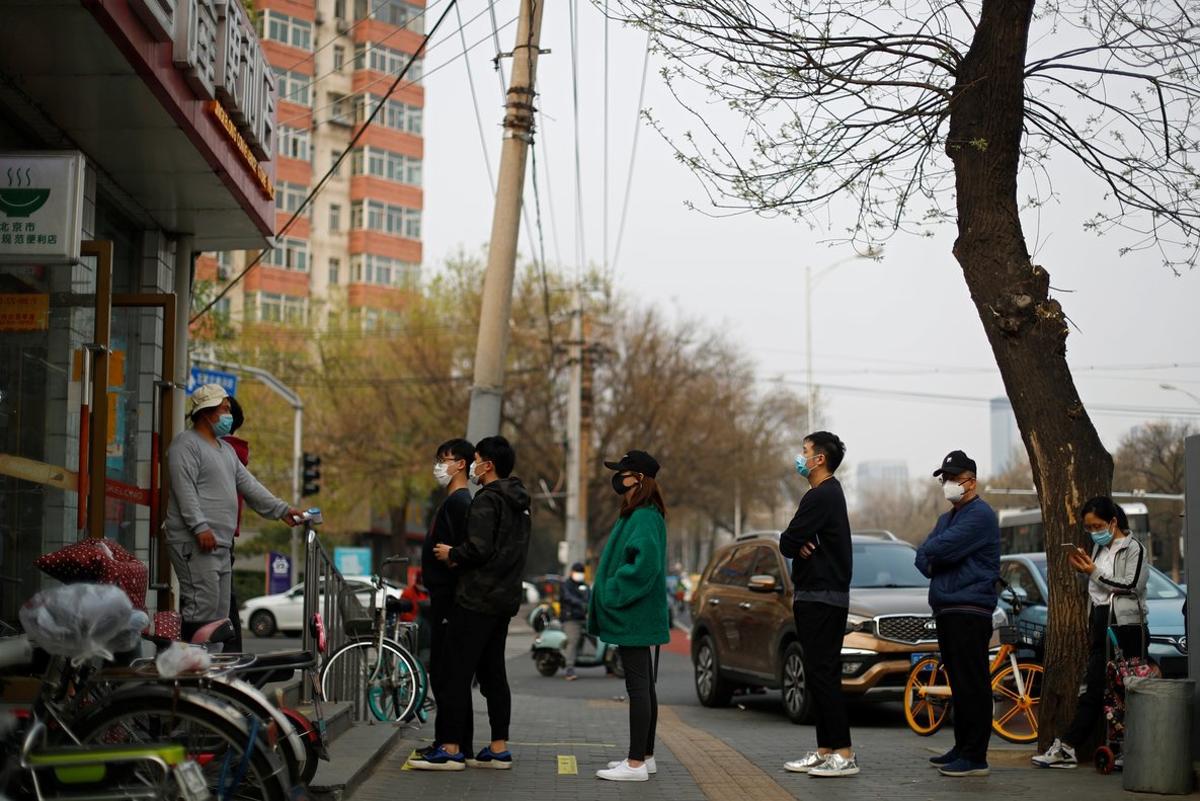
column 492, row 560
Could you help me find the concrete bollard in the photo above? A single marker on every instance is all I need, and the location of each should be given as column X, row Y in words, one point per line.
column 1158, row 723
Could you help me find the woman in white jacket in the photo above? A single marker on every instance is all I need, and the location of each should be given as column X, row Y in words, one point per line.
column 1116, row 571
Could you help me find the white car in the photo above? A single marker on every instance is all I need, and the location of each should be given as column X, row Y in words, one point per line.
column 284, row 611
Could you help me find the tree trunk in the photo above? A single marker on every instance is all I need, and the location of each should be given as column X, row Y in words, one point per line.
column 1025, row 327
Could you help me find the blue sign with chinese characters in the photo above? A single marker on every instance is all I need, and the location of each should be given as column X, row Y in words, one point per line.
column 200, row 377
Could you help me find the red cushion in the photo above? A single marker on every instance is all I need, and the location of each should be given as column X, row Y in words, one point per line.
column 99, row 560
column 168, row 625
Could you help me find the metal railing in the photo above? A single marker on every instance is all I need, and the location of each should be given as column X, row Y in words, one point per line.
column 323, row 587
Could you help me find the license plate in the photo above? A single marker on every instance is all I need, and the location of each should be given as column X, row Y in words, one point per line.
column 192, row 785
column 918, row 657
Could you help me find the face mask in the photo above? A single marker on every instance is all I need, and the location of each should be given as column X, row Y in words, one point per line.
column 474, row 476
column 577, row 578
column 618, row 484
column 802, row 465
column 441, row 474
column 953, row 491
column 224, row 425
column 1101, row 538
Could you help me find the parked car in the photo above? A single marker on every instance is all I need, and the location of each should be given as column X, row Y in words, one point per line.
column 1026, row 572
column 744, row 634
column 284, row 611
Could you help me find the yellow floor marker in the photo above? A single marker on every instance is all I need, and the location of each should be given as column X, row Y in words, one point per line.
column 567, row 766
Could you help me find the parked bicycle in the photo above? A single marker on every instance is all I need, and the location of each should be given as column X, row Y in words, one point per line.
column 1016, row 679
column 377, row 665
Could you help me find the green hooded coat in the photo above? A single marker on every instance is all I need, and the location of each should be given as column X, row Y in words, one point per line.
column 629, row 595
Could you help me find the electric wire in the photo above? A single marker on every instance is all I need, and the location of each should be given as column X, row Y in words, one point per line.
column 580, row 242
column 604, row 190
column 370, row 16
column 333, row 169
column 637, row 127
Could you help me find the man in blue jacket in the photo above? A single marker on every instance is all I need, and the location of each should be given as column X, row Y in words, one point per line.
column 962, row 558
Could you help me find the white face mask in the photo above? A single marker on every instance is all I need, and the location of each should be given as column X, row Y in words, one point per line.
column 953, row 491
column 474, row 477
column 577, row 578
column 441, row 474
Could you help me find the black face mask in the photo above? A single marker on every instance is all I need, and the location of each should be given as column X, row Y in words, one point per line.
column 618, row 483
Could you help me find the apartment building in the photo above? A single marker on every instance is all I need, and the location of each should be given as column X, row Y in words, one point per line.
column 356, row 251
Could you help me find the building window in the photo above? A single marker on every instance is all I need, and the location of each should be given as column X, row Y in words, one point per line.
column 294, row 87
column 339, row 9
column 287, row 30
column 394, row 12
column 341, row 109
column 288, row 196
column 294, row 143
column 367, row 268
column 386, row 164
column 368, row 56
column 335, row 272
column 335, row 218
column 339, row 57
column 395, row 114
column 270, row 307
column 333, row 159
column 290, row 254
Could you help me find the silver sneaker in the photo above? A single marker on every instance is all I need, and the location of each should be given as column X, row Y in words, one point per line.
column 835, row 765
column 1059, row 755
column 806, row 763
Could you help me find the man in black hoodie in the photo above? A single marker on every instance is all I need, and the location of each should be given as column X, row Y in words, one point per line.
column 490, row 563
column 818, row 542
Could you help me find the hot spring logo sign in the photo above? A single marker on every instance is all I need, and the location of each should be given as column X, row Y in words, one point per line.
column 20, row 198
column 41, row 202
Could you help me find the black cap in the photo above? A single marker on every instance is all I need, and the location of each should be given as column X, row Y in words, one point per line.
column 577, row 567
column 637, row 462
column 955, row 462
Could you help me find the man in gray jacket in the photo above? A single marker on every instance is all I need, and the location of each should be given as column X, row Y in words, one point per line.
column 206, row 479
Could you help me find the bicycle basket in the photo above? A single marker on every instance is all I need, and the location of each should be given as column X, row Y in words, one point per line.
column 1032, row 635
column 356, row 618
column 1009, row 635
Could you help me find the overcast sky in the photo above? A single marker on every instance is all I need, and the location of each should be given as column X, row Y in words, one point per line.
column 905, row 324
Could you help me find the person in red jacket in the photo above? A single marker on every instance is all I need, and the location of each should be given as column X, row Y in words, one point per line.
column 242, row 448
column 417, row 595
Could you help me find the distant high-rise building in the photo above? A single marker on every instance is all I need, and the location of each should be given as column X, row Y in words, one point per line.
column 1005, row 437
column 882, row 475
column 357, row 248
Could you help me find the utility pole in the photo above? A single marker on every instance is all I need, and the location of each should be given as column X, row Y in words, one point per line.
column 576, row 486
column 487, row 390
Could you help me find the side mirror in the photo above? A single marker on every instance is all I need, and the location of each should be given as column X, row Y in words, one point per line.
column 763, row 584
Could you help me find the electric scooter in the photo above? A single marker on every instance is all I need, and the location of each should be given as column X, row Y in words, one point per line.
column 549, row 652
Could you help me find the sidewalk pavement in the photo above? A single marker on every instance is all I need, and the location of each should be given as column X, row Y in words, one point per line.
column 564, row 731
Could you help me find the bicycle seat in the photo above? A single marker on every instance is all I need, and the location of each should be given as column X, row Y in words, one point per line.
column 214, row 631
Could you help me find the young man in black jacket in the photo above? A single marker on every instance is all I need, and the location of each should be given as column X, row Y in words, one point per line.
column 818, row 543
column 449, row 527
column 574, row 597
column 491, row 562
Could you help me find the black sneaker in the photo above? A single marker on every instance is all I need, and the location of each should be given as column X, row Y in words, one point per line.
column 945, row 759
column 427, row 750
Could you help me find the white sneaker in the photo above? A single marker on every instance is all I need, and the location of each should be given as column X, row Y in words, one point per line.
column 1058, row 755
column 835, row 765
column 624, row 773
column 651, row 765
column 805, row 763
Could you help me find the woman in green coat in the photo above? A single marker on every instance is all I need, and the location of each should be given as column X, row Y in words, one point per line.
column 629, row 603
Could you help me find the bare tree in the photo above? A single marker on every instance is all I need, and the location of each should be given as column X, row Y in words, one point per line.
column 917, row 112
column 1150, row 457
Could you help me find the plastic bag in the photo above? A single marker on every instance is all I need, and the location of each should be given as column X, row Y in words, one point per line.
column 182, row 658
column 83, row 621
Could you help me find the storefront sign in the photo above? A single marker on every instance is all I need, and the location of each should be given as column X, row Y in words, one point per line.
column 216, row 47
column 41, row 205
column 24, row 312
column 235, row 136
column 352, row 561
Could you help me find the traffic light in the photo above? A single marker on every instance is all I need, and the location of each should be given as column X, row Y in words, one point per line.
column 312, row 475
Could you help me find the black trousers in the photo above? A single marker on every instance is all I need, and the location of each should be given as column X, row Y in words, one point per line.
column 638, row 662
column 1091, row 702
column 820, row 629
column 234, row 645
column 963, row 639
column 478, row 644
column 441, row 604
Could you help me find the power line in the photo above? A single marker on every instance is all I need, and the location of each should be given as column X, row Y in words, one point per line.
column 332, row 169
column 369, row 16
column 487, row 159
column 637, row 127
column 580, row 244
column 604, row 191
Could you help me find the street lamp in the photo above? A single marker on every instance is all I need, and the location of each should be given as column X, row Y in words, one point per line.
column 1173, row 388
column 810, row 279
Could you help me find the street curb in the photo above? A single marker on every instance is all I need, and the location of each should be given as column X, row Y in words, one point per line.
column 364, row 761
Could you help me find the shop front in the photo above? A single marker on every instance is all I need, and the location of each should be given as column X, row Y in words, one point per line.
column 133, row 135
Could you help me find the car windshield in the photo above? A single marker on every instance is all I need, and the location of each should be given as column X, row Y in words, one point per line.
column 885, row 564
column 1158, row 586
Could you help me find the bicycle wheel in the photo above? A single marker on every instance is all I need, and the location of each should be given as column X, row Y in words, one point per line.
column 384, row 679
column 1015, row 715
column 250, row 701
column 214, row 734
column 926, row 696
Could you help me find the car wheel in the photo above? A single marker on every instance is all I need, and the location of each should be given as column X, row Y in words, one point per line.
column 797, row 700
column 711, row 688
column 262, row 623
